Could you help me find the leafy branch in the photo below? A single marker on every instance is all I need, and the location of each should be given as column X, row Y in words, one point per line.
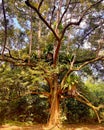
column 72, row 68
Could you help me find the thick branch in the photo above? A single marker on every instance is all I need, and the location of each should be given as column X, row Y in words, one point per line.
column 71, row 69
column 68, row 72
column 65, row 77
column 5, row 26
column 100, row 107
column 84, row 100
column 70, row 24
column 41, row 17
column 49, row 81
column 88, row 62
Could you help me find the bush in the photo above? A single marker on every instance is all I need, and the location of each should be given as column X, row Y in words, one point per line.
column 76, row 111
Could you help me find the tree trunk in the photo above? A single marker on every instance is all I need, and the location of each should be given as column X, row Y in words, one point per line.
column 39, row 40
column 31, row 36
column 54, row 102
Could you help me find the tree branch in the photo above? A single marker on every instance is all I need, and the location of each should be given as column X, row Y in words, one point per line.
column 64, row 13
column 65, row 77
column 83, row 60
column 40, row 4
column 81, row 18
column 15, row 62
column 88, row 62
column 72, row 62
column 52, row 14
column 84, row 100
column 71, row 69
column 89, row 32
column 10, row 55
column 28, row 93
column 41, row 17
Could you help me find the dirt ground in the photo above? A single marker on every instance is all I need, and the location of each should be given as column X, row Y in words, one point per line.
column 65, row 127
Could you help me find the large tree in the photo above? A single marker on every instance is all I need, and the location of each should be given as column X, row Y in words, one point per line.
column 66, row 37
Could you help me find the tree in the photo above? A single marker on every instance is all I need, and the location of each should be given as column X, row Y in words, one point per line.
column 69, row 26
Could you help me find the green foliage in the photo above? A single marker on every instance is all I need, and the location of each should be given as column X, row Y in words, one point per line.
column 84, row 54
column 77, row 112
column 96, row 90
column 74, row 79
column 16, row 101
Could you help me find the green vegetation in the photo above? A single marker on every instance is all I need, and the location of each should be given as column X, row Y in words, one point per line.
column 19, row 101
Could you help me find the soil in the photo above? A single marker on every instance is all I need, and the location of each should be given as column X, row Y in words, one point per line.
column 64, row 127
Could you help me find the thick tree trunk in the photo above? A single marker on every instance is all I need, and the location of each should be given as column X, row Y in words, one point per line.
column 54, row 102
column 54, row 111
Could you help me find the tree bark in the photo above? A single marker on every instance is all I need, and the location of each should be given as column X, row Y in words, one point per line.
column 31, row 36
column 39, row 40
column 54, row 105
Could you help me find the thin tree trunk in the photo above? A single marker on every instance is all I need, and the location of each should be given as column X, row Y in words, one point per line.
column 39, row 39
column 31, row 36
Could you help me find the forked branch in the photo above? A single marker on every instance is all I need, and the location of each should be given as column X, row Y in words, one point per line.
column 81, row 18
column 42, row 18
column 71, row 68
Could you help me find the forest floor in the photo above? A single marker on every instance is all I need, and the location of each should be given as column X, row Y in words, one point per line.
column 64, row 127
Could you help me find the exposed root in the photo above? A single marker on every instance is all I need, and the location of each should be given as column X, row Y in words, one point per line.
column 52, row 127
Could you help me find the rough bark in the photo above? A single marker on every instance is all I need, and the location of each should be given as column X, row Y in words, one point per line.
column 54, row 120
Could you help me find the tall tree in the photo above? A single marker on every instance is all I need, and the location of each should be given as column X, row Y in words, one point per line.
column 69, row 26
